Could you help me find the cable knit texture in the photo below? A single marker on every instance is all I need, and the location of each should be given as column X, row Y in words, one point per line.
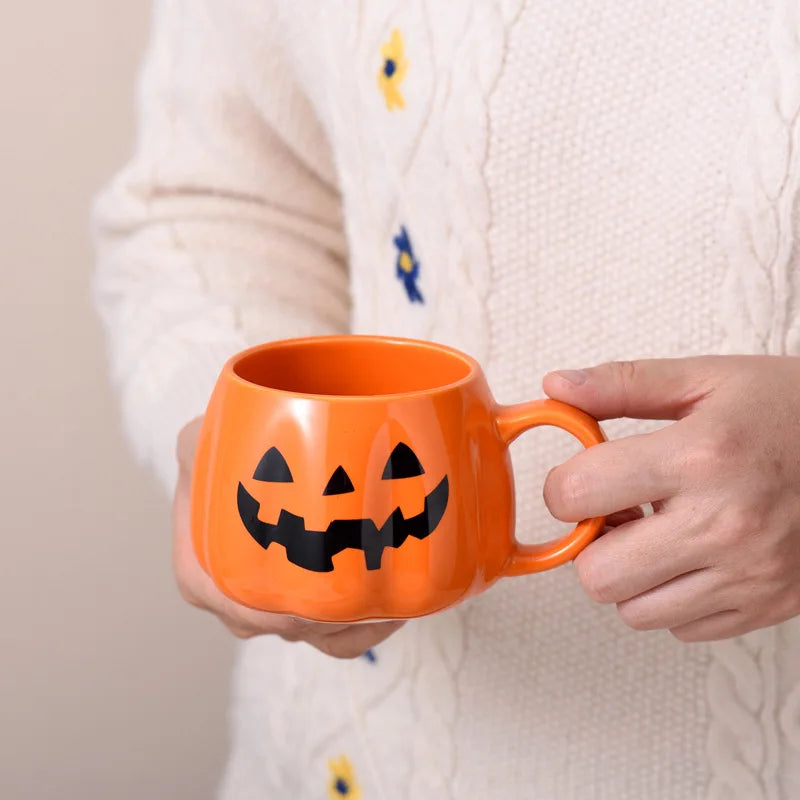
column 754, row 682
column 580, row 182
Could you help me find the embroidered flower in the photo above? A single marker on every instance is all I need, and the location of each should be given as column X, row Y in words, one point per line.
column 393, row 70
column 343, row 781
column 407, row 265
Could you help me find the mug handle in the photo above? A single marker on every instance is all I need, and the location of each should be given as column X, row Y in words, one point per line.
column 511, row 422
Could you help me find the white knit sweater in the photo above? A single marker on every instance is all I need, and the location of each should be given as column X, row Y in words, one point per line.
column 578, row 182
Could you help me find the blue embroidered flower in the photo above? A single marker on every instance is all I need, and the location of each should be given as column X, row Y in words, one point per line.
column 407, row 266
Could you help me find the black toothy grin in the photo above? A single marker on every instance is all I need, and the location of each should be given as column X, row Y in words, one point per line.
column 314, row 550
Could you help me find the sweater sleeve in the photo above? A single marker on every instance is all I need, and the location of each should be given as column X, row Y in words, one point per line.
column 223, row 231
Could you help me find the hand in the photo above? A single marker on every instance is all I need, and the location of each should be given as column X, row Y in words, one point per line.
column 197, row 588
column 720, row 556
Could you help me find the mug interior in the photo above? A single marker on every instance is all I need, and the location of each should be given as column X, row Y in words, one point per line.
column 353, row 366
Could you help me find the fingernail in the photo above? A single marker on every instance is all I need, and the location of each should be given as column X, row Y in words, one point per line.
column 574, row 376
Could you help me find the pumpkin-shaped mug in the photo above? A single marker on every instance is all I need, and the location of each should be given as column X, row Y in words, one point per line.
column 349, row 478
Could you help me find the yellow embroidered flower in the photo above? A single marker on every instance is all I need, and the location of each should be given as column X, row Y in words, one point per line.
column 392, row 71
column 342, row 783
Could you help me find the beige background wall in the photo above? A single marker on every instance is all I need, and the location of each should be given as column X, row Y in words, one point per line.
column 109, row 686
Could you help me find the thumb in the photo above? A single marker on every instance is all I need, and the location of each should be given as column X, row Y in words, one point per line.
column 187, row 444
column 663, row 388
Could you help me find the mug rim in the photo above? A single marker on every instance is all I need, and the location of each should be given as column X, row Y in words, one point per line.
column 473, row 368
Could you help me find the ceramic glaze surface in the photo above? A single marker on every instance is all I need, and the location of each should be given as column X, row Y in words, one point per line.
column 352, row 478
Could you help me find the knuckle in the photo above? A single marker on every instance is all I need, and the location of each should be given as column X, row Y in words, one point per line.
column 625, row 375
column 240, row 631
column 188, row 596
column 713, row 454
column 774, row 569
column 594, row 578
column 343, row 649
column 237, row 620
column 635, row 617
column 740, row 523
column 293, row 628
column 626, row 372
column 186, row 588
column 686, row 635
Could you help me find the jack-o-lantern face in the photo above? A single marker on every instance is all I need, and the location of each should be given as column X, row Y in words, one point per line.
column 348, row 478
column 314, row 549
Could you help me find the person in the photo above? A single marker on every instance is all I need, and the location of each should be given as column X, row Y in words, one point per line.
column 602, row 194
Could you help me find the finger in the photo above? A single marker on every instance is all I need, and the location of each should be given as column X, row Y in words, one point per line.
column 637, row 557
column 201, row 591
column 678, row 602
column 356, row 640
column 187, row 444
column 664, row 388
column 622, row 517
column 722, row 625
column 197, row 588
column 615, row 475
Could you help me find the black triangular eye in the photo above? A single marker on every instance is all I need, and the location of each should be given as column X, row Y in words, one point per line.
column 402, row 463
column 339, row 483
column 273, row 467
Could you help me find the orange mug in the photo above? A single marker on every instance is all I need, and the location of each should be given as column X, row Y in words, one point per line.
column 349, row 478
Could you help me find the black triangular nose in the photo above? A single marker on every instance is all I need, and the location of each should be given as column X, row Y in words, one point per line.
column 339, row 483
